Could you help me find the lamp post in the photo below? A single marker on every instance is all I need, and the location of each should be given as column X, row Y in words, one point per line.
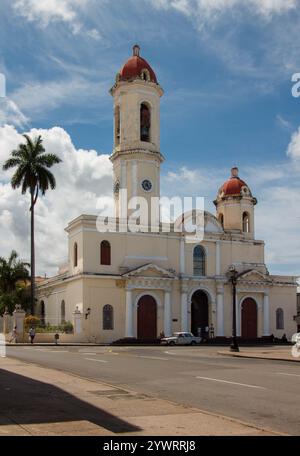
column 233, row 276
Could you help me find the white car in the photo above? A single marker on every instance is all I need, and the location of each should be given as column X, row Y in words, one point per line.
column 181, row 338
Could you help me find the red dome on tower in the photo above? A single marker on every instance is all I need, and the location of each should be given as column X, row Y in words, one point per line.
column 137, row 67
column 233, row 185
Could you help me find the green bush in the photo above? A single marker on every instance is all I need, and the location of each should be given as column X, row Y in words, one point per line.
column 65, row 327
column 31, row 320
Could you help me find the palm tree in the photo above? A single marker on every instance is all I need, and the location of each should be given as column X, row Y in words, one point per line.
column 32, row 174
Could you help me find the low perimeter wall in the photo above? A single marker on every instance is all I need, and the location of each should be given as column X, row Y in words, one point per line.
column 63, row 338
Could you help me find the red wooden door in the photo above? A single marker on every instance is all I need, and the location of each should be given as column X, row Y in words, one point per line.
column 249, row 319
column 146, row 318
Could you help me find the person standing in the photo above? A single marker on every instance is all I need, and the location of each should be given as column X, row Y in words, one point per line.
column 32, row 334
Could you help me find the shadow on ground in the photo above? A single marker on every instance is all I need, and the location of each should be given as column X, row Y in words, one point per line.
column 26, row 401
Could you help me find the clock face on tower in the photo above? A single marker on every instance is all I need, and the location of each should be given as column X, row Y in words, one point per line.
column 146, row 185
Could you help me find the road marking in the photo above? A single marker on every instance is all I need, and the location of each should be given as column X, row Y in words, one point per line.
column 58, row 351
column 153, row 357
column 232, row 383
column 86, row 353
column 99, row 360
column 285, row 373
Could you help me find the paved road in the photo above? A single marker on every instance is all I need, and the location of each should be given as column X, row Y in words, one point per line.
column 263, row 392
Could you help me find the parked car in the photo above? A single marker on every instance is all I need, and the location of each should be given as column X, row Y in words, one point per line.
column 181, row 338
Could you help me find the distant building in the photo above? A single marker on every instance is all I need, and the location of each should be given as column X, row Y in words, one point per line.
column 142, row 284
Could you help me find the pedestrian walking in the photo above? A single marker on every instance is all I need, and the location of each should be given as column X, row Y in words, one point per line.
column 32, row 334
column 13, row 335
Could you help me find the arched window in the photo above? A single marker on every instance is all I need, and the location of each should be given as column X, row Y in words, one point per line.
column 63, row 312
column 199, row 261
column 75, row 255
column 108, row 317
column 117, row 126
column 246, row 222
column 42, row 312
column 145, row 75
column 105, row 253
column 279, row 318
column 145, row 121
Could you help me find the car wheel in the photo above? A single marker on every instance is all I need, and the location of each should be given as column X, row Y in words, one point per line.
column 193, row 342
column 172, row 342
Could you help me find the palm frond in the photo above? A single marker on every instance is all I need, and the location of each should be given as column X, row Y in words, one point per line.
column 11, row 163
column 48, row 160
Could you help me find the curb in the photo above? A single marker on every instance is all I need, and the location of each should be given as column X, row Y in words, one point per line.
column 234, row 355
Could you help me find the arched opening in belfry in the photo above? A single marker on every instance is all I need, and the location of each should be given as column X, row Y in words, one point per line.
column 145, row 122
column 117, row 125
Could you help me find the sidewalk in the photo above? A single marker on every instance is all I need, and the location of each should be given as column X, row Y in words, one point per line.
column 272, row 353
column 41, row 401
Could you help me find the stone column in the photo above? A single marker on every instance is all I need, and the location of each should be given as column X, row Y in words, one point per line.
column 266, row 315
column 167, row 314
column 220, row 311
column 18, row 322
column 184, row 310
column 218, row 258
column 238, row 314
column 77, row 321
column 182, row 256
column 129, row 315
column 6, row 321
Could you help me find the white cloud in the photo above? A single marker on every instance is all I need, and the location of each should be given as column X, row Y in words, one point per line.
column 293, row 150
column 94, row 33
column 84, row 183
column 211, row 10
column 44, row 12
column 39, row 98
column 10, row 113
column 283, row 123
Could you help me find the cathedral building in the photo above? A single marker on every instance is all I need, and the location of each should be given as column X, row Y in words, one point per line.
column 141, row 284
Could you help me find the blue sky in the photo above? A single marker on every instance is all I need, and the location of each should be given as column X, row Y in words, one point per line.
column 225, row 66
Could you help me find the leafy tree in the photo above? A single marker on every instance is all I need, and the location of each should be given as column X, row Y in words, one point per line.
column 32, row 174
column 14, row 275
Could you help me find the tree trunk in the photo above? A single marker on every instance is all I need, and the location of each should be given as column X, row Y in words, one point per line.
column 32, row 254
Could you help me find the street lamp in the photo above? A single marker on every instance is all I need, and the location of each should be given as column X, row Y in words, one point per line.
column 233, row 276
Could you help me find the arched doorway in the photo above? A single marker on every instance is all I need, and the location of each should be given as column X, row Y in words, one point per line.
column 249, row 319
column 199, row 312
column 146, row 318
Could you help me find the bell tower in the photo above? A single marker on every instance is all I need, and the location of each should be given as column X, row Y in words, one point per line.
column 136, row 156
column 235, row 206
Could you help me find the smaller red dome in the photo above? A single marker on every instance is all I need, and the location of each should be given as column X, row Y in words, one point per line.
column 134, row 67
column 233, row 185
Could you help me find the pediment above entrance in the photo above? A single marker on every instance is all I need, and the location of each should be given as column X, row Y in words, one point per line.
column 255, row 276
column 150, row 270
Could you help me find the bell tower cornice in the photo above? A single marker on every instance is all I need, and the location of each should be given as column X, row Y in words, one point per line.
column 136, row 152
